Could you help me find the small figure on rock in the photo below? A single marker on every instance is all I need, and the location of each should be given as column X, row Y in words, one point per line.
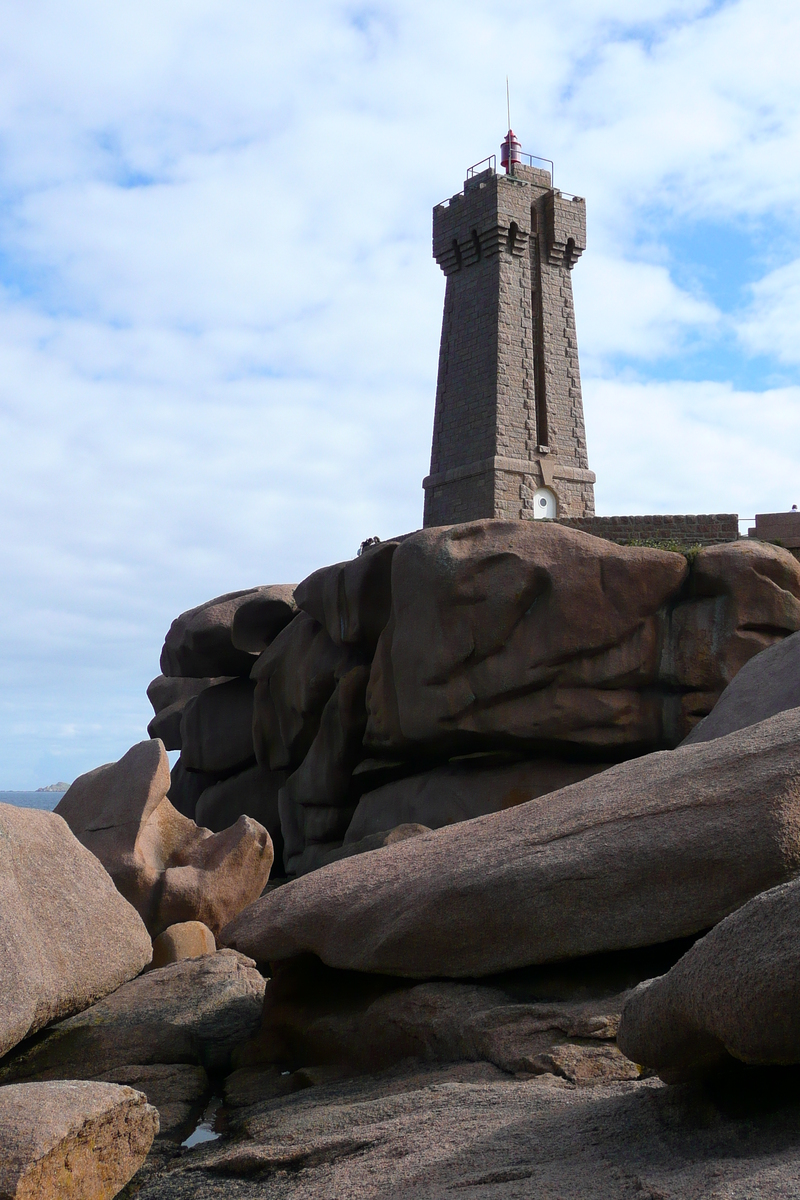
column 367, row 544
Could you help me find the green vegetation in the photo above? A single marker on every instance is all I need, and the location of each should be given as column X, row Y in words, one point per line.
column 690, row 553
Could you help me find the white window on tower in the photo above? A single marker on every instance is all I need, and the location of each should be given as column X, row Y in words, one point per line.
column 544, row 504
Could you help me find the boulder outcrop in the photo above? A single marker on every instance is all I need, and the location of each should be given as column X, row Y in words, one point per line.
column 734, row 994
column 767, row 684
column 492, row 636
column 161, row 1033
column 163, row 864
column 657, row 848
column 252, row 793
column 57, row 904
column 72, row 1139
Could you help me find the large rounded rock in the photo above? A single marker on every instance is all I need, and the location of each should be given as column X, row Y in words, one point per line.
column 461, row 791
column 766, row 685
column 169, row 869
column 736, row 994
column 199, row 643
column 67, row 1141
column 259, row 619
column 68, row 936
column 654, row 849
column 352, row 599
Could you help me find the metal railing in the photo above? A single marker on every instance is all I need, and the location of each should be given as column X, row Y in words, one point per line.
column 491, row 165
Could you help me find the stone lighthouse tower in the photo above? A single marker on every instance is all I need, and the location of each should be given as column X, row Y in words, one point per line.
column 508, row 433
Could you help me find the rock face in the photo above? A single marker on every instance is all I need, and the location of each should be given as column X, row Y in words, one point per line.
column 161, row 1033
column 657, row 848
column 295, row 677
column 57, row 906
column 217, row 728
column 252, row 793
column 461, row 791
column 60, row 1140
column 766, row 685
column 736, row 994
column 352, row 599
column 190, row 939
column 529, row 633
column 199, row 642
column 168, row 868
column 169, row 698
column 259, row 619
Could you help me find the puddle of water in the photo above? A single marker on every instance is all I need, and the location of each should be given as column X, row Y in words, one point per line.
column 204, row 1131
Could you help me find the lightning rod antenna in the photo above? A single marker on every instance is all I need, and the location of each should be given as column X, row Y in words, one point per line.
column 508, row 103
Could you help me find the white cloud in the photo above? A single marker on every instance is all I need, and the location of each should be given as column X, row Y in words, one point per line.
column 219, row 318
column 771, row 326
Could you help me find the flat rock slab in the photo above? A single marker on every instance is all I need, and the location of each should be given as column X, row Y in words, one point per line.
column 658, row 848
column 71, row 1141
column 736, row 994
column 192, row 1012
column 465, row 1131
column 68, row 936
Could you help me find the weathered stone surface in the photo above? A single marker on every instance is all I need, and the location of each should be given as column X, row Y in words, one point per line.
column 193, row 1012
column 177, row 1090
column 461, row 791
column 507, row 632
column 67, row 936
column 653, row 849
column 295, row 677
column 260, row 619
column 768, row 684
column 186, row 788
column 351, row 599
column 169, row 698
column 217, row 728
column 744, row 597
column 70, row 1141
column 189, row 939
column 319, row 854
column 521, row 632
column 735, row 993
column 437, row 1131
column 314, row 1015
column 169, row 869
column 252, row 793
column 322, row 781
column 198, row 643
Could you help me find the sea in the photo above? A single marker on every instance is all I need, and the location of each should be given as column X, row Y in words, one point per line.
column 45, row 800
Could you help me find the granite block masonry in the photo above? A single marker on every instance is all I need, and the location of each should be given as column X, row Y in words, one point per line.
column 509, row 438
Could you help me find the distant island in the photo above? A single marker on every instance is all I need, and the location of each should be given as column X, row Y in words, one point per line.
column 54, row 787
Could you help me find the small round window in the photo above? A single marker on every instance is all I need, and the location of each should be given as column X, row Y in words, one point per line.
column 544, row 504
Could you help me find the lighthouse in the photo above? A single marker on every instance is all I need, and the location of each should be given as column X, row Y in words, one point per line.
column 508, row 439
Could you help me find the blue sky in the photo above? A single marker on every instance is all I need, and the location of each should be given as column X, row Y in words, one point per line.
column 219, row 317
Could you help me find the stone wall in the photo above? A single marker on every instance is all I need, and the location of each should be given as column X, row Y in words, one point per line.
column 704, row 529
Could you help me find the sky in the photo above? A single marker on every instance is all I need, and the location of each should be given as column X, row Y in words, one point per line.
column 219, row 314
